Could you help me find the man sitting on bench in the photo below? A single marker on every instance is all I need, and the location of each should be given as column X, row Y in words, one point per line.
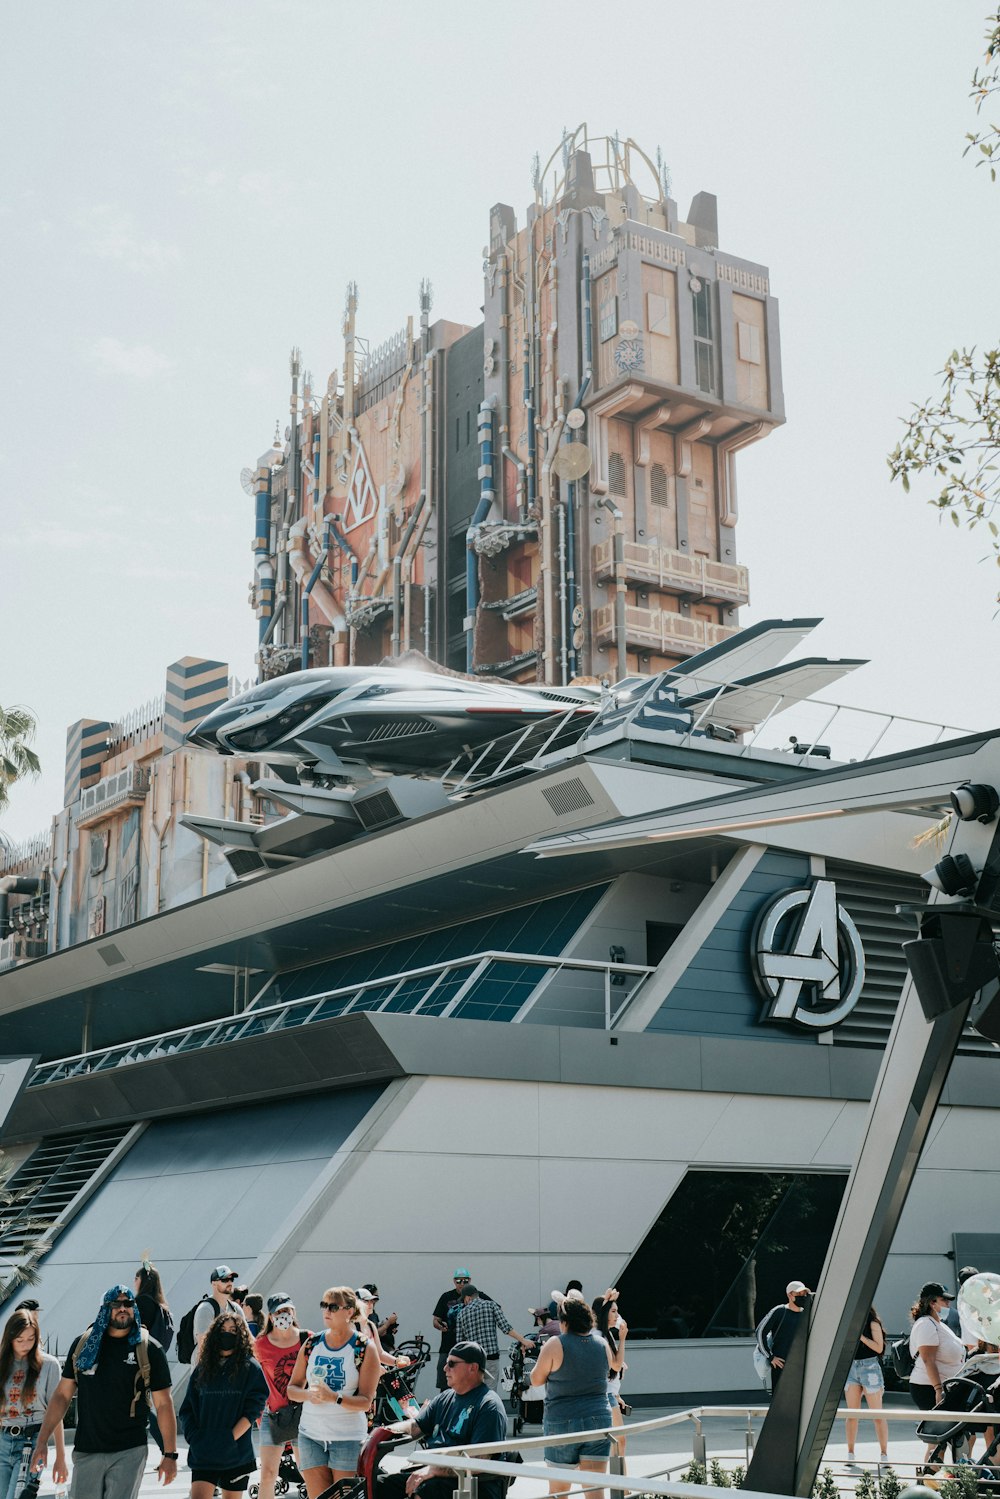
column 466, row 1414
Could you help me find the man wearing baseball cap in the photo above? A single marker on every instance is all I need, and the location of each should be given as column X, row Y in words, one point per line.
column 445, row 1313
column 776, row 1331
column 467, row 1413
column 219, row 1300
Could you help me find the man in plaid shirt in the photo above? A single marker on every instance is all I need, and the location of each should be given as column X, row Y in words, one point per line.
column 479, row 1321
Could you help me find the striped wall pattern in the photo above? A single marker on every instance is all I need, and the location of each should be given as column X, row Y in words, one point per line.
column 194, row 687
column 86, row 751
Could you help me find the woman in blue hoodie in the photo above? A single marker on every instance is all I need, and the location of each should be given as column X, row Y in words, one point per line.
column 225, row 1396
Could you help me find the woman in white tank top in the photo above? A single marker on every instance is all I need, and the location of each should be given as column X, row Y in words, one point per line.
column 334, row 1381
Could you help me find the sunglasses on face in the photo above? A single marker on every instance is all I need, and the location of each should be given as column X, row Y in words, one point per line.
column 460, row 1280
column 453, row 1363
column 331, row 1306
column 122, row 1305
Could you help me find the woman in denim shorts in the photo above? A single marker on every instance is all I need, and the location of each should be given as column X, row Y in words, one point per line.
column 574, row 1369
column 334, row 1381
column 866, row 1378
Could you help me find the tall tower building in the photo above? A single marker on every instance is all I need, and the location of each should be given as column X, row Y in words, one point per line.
column 551, row 494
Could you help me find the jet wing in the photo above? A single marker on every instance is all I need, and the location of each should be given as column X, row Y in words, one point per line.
column 744, row 704
column 755, row 649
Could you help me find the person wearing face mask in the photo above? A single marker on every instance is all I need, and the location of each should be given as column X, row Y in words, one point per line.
column 277, row 1347
column 778, row 1328
column 225, row 1397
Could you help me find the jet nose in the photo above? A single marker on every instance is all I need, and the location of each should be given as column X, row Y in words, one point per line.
column 204, row 734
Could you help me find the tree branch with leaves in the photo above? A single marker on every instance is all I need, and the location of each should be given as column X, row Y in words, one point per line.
column 956, row 437
column 17, row 758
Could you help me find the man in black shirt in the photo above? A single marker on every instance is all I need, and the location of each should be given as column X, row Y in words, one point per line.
column 107, row 1369
column 778, row 1328
column 449, row 1301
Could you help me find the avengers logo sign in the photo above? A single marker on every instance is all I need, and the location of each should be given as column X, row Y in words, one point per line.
column 807, row 957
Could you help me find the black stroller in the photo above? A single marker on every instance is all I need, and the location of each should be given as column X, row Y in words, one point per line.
column 288, row 1481
column 968, row 1396
column 526, row 1411
column 394, row 1397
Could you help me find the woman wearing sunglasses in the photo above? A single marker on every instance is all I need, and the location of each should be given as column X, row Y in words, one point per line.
column 334, row 1380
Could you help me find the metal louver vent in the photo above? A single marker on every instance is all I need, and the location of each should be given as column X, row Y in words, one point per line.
column 569, row 796
column 398, row 728
column 375, row 811
column 659, row 490
column 871, row 896
column 245, row 861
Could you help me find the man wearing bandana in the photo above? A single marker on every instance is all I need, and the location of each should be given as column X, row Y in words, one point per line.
column 104, row 1371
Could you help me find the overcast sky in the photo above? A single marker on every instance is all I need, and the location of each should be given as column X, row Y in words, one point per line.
column 190, row 186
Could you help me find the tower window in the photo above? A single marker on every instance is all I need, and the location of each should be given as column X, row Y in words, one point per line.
column 704, row 344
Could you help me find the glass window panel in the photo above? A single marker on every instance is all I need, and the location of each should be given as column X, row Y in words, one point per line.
column 723, row 1249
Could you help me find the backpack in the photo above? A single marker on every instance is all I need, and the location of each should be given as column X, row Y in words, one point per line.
column 901, row 1358
column 163, row 1327
column 186, row 1339
column 141, row 1372
column 761, row 1360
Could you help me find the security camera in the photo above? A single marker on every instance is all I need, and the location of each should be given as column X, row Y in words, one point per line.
column 975, row 803
column 954, row 875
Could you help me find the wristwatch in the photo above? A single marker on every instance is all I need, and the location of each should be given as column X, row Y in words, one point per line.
column 340, row 1399
column 171, row 1455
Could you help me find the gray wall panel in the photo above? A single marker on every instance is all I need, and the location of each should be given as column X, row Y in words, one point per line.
column 194, row 1192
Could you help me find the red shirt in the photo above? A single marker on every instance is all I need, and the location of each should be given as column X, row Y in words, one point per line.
column 277, row 1364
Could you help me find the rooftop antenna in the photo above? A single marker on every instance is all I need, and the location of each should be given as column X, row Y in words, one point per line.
column 663, row 172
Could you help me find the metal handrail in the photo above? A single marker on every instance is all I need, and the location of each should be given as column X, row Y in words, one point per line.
column 163, row 1040
column 472, row 1461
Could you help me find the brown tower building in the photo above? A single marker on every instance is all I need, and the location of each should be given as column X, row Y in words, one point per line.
column 551, row 494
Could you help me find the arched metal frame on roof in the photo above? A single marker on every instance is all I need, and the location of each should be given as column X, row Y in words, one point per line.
column 615, row 162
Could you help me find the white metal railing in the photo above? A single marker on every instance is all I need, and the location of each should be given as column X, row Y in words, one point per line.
column 479, row 1460
column 864, row 730
column 350, row 999
column 130, row 784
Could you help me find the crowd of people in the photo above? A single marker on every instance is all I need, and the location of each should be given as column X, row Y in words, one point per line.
column 260, row 1380
column 940, row 1347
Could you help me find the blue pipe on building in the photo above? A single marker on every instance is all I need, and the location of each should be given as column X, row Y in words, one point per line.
column 307, row 590
column 262, row 550
column 487, row 495
column 344, row 545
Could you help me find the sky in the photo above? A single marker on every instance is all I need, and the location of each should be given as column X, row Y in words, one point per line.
column 188, row 188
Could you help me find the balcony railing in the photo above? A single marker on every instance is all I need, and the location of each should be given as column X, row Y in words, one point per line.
column 661, row 630
column 696, row 577
column 127, row 788
column 485, row 985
